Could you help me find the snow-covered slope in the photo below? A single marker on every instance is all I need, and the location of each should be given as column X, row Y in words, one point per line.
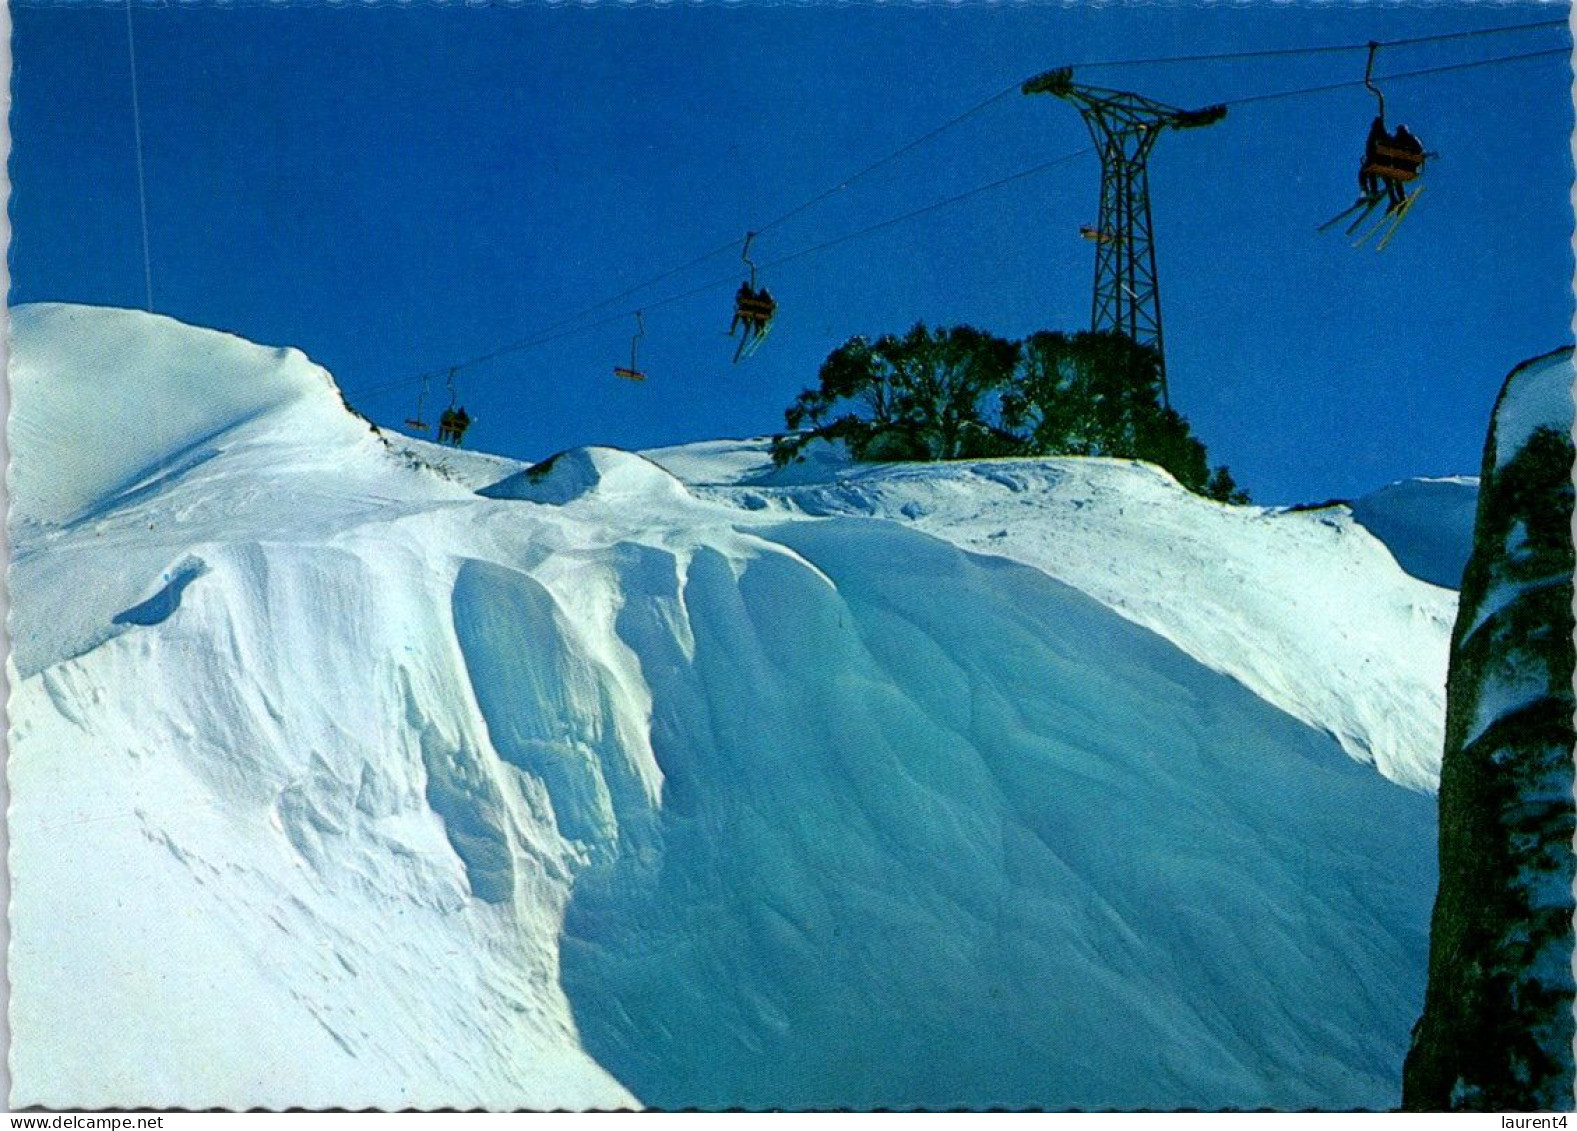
column 1305, row 608
column 1426, row 523
column 239, row 719
column 577, row 787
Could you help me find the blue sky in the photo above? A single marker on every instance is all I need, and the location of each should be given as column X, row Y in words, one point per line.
column 396, row 189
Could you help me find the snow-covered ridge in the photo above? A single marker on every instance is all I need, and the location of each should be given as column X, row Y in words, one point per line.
column 1303, row 607
column 1426, row 523
column 589, row 788
column 123, row 431
column 605, row 472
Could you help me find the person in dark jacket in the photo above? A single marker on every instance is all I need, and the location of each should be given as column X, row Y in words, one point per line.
column 743, row 297
column 1404, row 142
column 767, row 309
column 1368, row 179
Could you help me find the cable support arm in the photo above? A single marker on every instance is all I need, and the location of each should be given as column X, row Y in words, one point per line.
column 1135, row 109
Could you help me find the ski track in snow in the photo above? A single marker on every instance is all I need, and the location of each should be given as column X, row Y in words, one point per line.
column 590, row 788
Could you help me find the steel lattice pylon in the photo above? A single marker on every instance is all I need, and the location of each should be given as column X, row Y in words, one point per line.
column 1124, row 128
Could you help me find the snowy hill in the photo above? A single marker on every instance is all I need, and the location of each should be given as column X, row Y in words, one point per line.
column 1426, row 523
column 1303, row 607
column 1024, row 783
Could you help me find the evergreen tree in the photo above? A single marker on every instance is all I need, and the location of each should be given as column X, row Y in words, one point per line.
column 1099, row 394
column 962, row 393
column 925, row 396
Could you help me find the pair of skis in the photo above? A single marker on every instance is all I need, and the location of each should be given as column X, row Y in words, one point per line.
column 1390, row 220
column 751, row 342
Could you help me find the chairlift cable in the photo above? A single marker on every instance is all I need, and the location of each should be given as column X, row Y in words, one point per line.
column 731, row 244
column 1156, row 60
column 725, row 280
column 564, row 328
column 626, row 293
column 935, row 206
column 546, row 337
column 1399, row 77
column 1320, row 49
column 142, row 185
column 891, row 157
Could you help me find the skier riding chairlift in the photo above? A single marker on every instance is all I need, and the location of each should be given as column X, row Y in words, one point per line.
column 744, row 297
column 1390, row 162
column 753, row 309
column 452, row 426
column 1393, row 159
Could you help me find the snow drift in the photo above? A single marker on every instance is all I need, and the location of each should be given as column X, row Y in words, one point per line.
column 1426, row 523
column 1303, row 607
column 578, row 786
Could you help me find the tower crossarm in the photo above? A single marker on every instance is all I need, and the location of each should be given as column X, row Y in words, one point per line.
column 1133, row 110
column 1124, row 127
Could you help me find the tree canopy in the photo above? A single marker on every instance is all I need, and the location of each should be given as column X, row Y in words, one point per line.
column 1099, row 394
column 963, row 393
column 924, row 396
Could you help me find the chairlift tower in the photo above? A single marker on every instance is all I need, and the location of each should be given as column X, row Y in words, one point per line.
column 1125, row 128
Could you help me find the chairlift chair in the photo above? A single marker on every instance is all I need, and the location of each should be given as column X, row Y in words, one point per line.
column 759, row 307
column 1383, row 161
column 1387, row 162
column 1392, row 164
column 451, row 431
column 416, row 423
column 630, row 372
column 754, row 309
